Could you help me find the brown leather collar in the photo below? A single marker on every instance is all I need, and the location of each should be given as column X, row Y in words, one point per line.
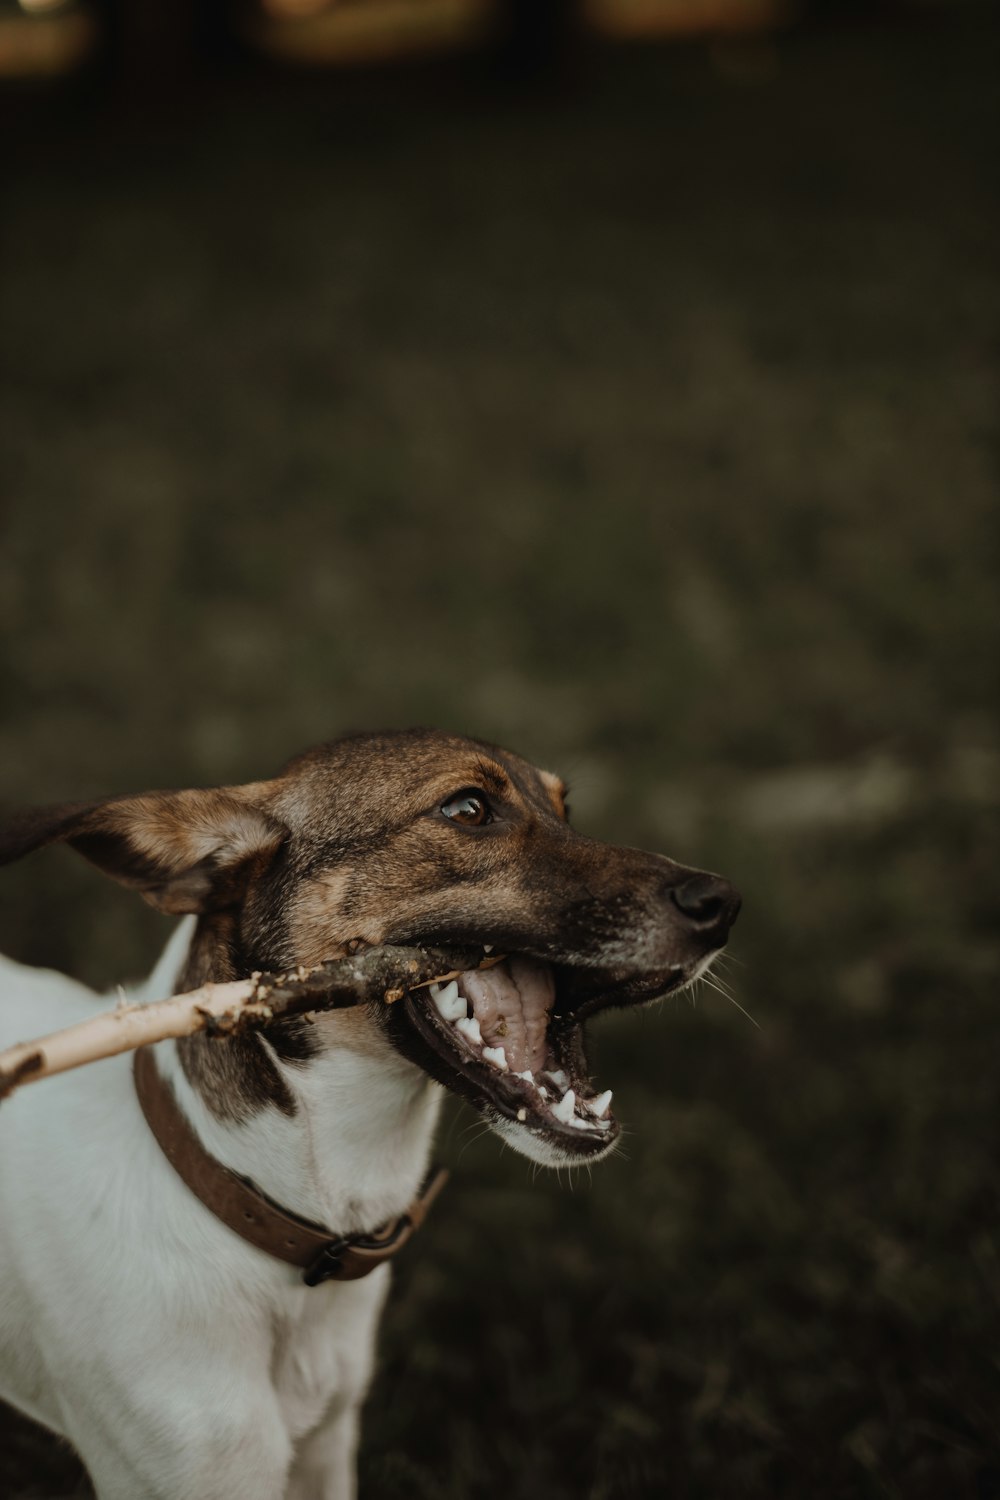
column 319, row 1253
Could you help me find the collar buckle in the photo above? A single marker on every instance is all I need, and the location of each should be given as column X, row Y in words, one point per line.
column 327, row 1263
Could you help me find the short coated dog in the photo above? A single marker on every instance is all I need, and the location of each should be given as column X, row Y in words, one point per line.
column 182, row 1361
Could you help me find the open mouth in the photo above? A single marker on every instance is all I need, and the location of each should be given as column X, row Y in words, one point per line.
column 496, row 1035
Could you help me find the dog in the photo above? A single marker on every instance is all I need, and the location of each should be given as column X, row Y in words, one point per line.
column 181, row 1359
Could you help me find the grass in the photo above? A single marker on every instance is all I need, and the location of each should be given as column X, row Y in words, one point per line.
column 648, row 428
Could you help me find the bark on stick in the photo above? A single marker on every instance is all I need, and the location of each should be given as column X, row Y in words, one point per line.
column 382, row 974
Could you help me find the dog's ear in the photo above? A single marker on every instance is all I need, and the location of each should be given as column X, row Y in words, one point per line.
column 188, row 851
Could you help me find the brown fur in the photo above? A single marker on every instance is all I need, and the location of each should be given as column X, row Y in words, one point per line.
column 348, row 844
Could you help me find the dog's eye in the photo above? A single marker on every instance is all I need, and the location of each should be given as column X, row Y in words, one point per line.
column 469, row 808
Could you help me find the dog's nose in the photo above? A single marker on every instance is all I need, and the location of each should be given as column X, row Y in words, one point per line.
column 708, row 901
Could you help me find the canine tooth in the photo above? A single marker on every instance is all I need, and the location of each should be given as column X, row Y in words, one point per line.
column 566, row 1107
column 497, row 1056
column 599, row 1106
column 522, row 1114
column 469, row 1027
column 450, row 1004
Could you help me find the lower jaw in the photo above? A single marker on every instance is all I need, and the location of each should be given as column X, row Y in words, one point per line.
column 514, row 1116
column 549, row 1149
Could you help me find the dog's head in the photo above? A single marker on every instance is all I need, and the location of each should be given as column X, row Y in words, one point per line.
column 427, row 838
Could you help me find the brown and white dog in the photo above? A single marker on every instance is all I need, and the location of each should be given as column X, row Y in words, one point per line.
column 181, row 1361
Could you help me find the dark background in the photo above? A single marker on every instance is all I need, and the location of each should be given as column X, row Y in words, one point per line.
column 644, row 420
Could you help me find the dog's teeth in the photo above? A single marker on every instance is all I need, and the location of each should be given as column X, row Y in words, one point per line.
column 566, row 1107
column 487, row 947
column 599, row 1106
column 450, row 1004
column 522, row 1114
column 527, row 1075
column 469, row 1027
column 497, row 1056
column 559, row 1079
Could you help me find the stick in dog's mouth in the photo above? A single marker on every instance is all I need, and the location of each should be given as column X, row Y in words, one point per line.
column 495, row 1036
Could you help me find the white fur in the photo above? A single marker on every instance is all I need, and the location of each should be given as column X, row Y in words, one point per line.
column 180, row 1362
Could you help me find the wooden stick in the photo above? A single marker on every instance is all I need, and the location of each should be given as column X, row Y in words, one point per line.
column 385, row 974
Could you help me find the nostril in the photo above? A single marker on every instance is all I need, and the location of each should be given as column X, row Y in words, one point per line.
column 707, row 899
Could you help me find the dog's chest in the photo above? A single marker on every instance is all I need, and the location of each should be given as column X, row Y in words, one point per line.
column 324, row 1347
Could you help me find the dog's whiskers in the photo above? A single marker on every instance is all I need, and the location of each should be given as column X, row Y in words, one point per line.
column 721, row 985
column 481, row 1128
column 710, row 980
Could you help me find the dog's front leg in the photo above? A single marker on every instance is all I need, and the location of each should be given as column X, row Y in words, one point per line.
column 340, row 1359
column 226, row 1448
column 324, row 1467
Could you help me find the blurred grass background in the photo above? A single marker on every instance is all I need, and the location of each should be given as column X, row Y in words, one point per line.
column 648, row 426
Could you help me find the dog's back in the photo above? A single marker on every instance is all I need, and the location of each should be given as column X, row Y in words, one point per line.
column 51, row 1140
column 88, row 1210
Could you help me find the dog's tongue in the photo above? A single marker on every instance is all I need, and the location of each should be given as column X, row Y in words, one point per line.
column 511, row 1001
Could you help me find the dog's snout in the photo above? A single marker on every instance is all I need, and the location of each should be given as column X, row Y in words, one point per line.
column 708, row 901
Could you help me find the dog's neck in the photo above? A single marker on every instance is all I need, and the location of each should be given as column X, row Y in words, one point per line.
column 349, row 1141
